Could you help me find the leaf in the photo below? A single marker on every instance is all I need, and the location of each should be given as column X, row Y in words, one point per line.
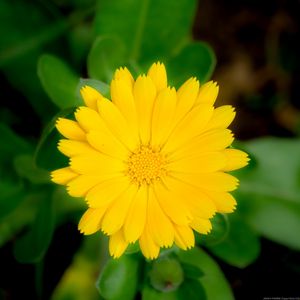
column 118, row 280
column 195, row 59
column 148, row 293
column 100, row 86
column 147, row 28
column 106, row 55
column 58, row 80
column 214, row 282
column 241, row 246
column 32, row 246
column 191, row 271
column 192, row 289
column 26, row 168
column 11, row 144
column 269, row 194
column 12, row 193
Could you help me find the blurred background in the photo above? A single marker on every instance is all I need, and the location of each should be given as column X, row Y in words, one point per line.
column 50, row 48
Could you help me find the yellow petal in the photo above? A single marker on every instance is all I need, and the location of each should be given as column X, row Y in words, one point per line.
column 79, row 186
column 70, row 129
column 236, row 159
column 136, row 217
column 184, row 237
column 158, row 74
column 214, row 140
column 202, row 226
column 221, row 118
column 163, row 114
column 191, row 126
column 199, row 163
column 148, row 247
column 160, row 225
column 124, row 75
column 122, row 97
column 217, row 181
column 71, row 148
column 90, row 96
column 198, row 203
column 115, row 215
column 89, row 119
column 117, row 123
column 90, row 221
column 186, row 96
column 224, row 202
column 107, row 144
column 144, row 92
column 107, row 191
column 208, row 93
column 172, row 204
column 63, row 175
column 117, row 244
column 96, row 164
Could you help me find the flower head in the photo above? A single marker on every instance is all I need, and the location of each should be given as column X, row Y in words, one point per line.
column 152, row 162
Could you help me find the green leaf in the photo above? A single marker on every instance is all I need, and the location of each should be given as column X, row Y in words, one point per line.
column 191, row 271
column 192, row 289
column 107, row 54
column 47, row 155
column 11, row 144
column 241, row 246
column 148, row 293
column 269, row 192
column 32, row 246
column 100, row 86
column 214, row 282
column 195, row 59
column 12, row 193
column 58, row 80
column 26, row 168
column 119, row 278
column 147, row 28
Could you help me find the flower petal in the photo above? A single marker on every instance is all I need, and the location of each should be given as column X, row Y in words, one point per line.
column 224, row 202
column 116, row 122
column 90, row 221
column 63, row 175
column 217, row 181
column 160, row 225
column 107, row 191
column 221, row 118
column 202, row 226
column 96, row 164
column 199, row 163
column 195, row 121
column 163, row 114
column 184, row 237
column 71, row 148
column 158, row 74
column 236, row 159
column 144, row 92
column 70, row 129
column 148, row 247
column 90, row 96
column 114, row 217
column 124, row 75
column 208, row 93
column 136, row 217
column 108, row 144
column 117, row 244
column 214, row 140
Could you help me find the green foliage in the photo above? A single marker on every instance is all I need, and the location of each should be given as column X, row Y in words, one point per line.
column 119, row 278
column 269, row 191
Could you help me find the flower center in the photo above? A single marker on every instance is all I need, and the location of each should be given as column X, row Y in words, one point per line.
column 145, row 165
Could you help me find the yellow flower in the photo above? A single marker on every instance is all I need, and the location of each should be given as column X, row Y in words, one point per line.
column 151, row 164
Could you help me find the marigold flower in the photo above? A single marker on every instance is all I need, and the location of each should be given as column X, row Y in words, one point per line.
column 151, row 164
